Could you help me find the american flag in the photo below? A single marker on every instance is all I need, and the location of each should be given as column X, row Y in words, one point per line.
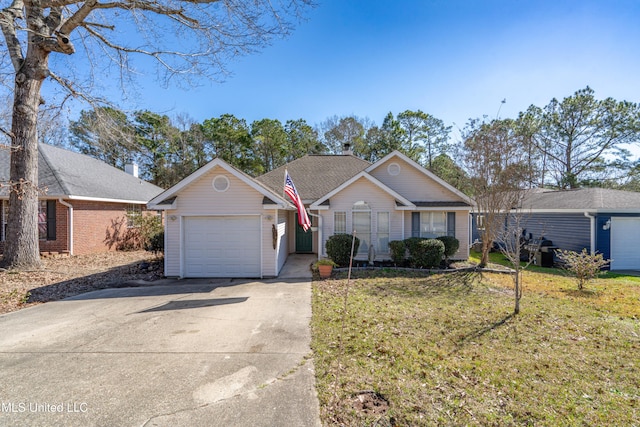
column 290, row 190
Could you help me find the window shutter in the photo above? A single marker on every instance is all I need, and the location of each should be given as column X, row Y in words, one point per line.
column 51, row 220
column 451, row 224
column 415, row 224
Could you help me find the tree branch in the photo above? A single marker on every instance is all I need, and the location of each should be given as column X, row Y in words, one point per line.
column 8, row 17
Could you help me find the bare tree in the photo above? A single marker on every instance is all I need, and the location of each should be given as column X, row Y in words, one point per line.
column 496, row 162
column 510, row 239
column 184, row 38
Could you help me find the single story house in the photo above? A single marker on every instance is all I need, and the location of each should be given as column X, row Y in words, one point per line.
column 220, row 222
column 597, row 219
column 83, row 204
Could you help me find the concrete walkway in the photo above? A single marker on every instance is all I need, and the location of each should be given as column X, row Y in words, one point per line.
column 298, row 266
column 231, row 353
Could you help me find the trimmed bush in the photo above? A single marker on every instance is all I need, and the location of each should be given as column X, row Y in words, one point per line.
column 425, row 253
column 339, row 248
column 398, row 250
column 155, row 243
column 451, row 245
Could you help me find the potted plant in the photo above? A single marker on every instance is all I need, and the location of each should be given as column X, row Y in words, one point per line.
column 325, row 267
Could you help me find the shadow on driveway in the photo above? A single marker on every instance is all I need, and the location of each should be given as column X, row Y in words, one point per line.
column 198, row 303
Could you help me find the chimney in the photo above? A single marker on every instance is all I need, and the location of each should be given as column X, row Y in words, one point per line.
column 346, row 149
column 131, row 169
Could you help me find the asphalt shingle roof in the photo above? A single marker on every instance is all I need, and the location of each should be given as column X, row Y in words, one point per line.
column 66, row 173
column 315, row 175
column 583, row 198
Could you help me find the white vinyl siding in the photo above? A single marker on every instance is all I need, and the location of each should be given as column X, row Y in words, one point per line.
column 201, row 199
column 283, row 240
column 377, row 200
column 412, row 183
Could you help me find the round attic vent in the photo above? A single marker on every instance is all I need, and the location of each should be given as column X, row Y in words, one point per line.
column 393, row 169
column 220, row 183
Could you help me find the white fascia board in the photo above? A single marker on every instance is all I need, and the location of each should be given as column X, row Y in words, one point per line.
column 274, row 207
column 162, row 207
column 101, row 199
column 435, row 208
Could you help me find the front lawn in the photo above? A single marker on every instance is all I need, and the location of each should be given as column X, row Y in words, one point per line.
column 444, row 350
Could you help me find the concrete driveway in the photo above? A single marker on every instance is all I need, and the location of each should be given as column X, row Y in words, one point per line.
column 189, row 353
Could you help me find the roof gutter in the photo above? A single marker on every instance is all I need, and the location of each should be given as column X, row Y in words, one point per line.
column 592, row 233
column 70, row 233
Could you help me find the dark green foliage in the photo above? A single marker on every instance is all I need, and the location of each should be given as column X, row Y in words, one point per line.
column 398, row 250
column 425, row 253
column 155, row 243
column 150, row 231
column 451, row 245
column 339, row 248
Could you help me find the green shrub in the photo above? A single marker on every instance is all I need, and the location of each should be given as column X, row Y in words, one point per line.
column 150, row 231
column 398, row 250
column 425, row 253
column 451, row 245
column 155, row 243
column 413, row 244
column 339, row 248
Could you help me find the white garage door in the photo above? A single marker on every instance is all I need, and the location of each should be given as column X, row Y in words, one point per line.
column 625, row 240
column 222, row 246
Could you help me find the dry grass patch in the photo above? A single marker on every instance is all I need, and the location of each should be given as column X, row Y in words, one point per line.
column 64, row 277
column 444, row 350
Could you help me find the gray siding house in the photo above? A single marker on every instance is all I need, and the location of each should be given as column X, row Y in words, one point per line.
column 600, row 220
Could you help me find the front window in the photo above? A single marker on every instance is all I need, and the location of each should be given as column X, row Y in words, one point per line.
column 480, row 222
column 134, row 212
column 383, row 233
column 362, row 226
column 433, row 224
column 339, row 223
column 42, row 220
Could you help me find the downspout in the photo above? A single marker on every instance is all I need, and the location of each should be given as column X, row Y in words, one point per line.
column 319, row 232
column 592, row 231
column 70, row 223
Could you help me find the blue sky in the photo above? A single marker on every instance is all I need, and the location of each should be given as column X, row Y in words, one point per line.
column 453, row 59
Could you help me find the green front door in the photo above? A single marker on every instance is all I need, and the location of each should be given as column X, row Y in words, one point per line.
column 304, row 239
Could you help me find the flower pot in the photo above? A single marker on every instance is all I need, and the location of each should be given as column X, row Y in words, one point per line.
column 325, row 271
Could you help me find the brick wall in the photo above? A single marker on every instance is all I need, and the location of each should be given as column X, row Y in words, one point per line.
column 97, row 227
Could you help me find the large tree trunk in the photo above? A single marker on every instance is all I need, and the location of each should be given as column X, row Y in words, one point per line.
column 22, row 246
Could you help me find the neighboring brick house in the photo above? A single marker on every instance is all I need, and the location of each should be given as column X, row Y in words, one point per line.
column 84, row 201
